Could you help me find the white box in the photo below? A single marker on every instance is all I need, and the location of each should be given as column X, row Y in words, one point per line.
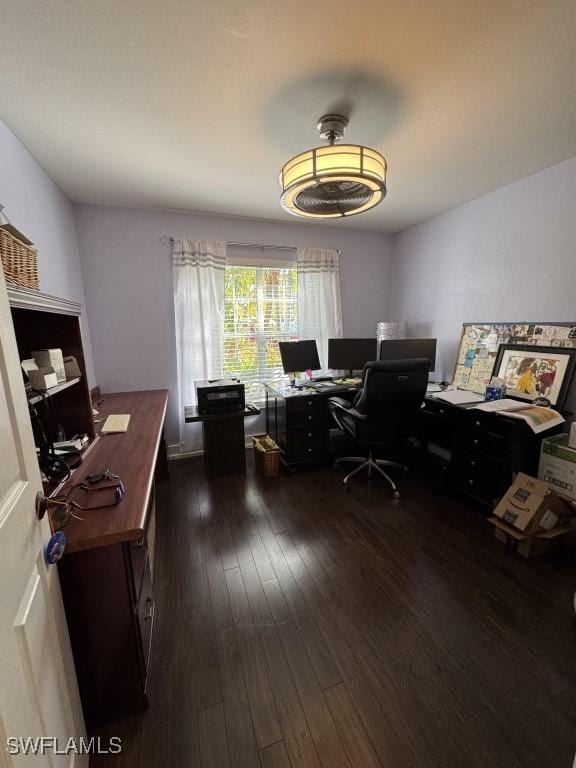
column 558, row 465
column 51, row 358
column 43, row 379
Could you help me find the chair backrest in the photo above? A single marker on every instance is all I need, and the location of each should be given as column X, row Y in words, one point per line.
column 391, row 396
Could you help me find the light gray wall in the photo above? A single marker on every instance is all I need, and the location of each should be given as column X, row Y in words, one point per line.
column 510, row 255
column 128, row 278
column 37, row 207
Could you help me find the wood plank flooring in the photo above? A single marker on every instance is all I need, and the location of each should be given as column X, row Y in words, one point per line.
column 299, row 626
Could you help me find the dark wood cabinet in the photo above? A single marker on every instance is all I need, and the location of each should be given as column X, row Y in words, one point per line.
column 109, row 604
column 107, row 572
column 482, row 450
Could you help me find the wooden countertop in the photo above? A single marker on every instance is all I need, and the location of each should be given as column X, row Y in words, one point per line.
column 132, row 455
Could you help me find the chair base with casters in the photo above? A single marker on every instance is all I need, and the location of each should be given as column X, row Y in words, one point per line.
column 370, row 464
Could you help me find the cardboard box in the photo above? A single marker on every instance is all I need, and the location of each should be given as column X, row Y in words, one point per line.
column 558, row 465
column 52, row 358
column 528, row 546
column 530, row 507
column 42, row 378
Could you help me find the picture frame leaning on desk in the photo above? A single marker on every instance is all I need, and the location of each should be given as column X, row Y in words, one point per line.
column 536, row 371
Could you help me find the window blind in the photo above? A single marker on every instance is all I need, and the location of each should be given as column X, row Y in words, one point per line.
column 260, row 309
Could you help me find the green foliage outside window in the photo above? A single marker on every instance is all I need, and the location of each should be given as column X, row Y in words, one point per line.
column 260, row 310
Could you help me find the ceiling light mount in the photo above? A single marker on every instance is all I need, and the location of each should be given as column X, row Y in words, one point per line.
column 333, row 181
column 332, row 127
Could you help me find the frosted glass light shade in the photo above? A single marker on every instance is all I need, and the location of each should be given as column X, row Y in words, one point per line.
column 333, row 181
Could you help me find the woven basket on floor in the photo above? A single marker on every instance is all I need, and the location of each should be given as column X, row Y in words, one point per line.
column 19, row 261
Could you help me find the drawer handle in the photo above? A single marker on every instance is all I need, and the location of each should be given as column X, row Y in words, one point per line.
column 476, row 441
column 309, row 418
column 309, row 434
column 150, row 611
column 471, row 482
column 309, row 450
column 472, row 463
column 442, row 411
column 476, row 423
column 310, row 403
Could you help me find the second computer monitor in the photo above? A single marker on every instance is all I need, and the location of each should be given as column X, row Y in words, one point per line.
column 351, row 354
column 299, row 356
column 406, row 349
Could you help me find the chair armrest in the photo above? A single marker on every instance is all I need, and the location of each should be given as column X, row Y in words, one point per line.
column 338, row 403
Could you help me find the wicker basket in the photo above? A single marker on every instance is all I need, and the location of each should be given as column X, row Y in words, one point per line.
column 19, row 261
column 267, row 455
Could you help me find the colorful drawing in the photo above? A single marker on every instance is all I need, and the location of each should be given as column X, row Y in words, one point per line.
column 530, row 372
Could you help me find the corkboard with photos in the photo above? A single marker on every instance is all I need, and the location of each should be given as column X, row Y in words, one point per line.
column 479, row 344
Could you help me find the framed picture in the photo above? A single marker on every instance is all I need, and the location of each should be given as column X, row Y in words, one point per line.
column 479, row 344
column 530, row 371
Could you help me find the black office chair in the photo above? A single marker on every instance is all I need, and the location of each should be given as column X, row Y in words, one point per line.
column 383, row 412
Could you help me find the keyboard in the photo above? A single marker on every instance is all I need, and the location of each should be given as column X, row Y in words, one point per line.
column 116, row 422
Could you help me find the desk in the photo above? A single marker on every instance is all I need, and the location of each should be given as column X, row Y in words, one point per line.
column 106, row 573
column 485, row 449
column 224, row 439
column 299, row 421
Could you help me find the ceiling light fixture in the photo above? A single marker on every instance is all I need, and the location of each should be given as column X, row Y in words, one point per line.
column 333, row 181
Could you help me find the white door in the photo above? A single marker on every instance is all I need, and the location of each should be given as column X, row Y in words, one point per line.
column 38, row 689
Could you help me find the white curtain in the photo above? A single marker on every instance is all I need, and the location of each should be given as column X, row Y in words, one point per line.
column 319, row 306
column 199, row 268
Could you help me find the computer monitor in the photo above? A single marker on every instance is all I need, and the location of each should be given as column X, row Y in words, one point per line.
column 299, row 356
column 351, row 354
column 406, row 349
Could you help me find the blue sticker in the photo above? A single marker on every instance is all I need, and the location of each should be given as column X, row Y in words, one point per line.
column 55, row 548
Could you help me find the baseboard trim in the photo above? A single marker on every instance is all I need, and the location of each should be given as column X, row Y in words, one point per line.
column 174, row 453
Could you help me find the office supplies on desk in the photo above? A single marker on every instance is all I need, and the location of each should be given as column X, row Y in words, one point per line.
column 116, row 422
column 352, row 381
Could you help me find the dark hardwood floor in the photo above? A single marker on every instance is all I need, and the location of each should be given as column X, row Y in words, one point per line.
column 300, row 626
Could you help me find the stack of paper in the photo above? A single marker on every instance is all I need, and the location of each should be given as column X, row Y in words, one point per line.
column 458, row 396
column 506, row 404
column 538, row 419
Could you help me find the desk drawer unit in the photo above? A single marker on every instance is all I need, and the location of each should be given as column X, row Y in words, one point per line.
column 479, row 475
column 306, row 429
column 485, row 448
column 306, row 442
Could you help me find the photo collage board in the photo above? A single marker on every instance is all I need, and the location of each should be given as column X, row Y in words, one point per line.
column 480, row 341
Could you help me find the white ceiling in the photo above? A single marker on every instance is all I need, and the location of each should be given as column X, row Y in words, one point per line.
column 196, row 105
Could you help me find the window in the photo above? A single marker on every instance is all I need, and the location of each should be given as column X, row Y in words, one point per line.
column 260, row 309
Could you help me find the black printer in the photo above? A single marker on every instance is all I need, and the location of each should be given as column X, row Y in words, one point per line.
column 219, row 396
